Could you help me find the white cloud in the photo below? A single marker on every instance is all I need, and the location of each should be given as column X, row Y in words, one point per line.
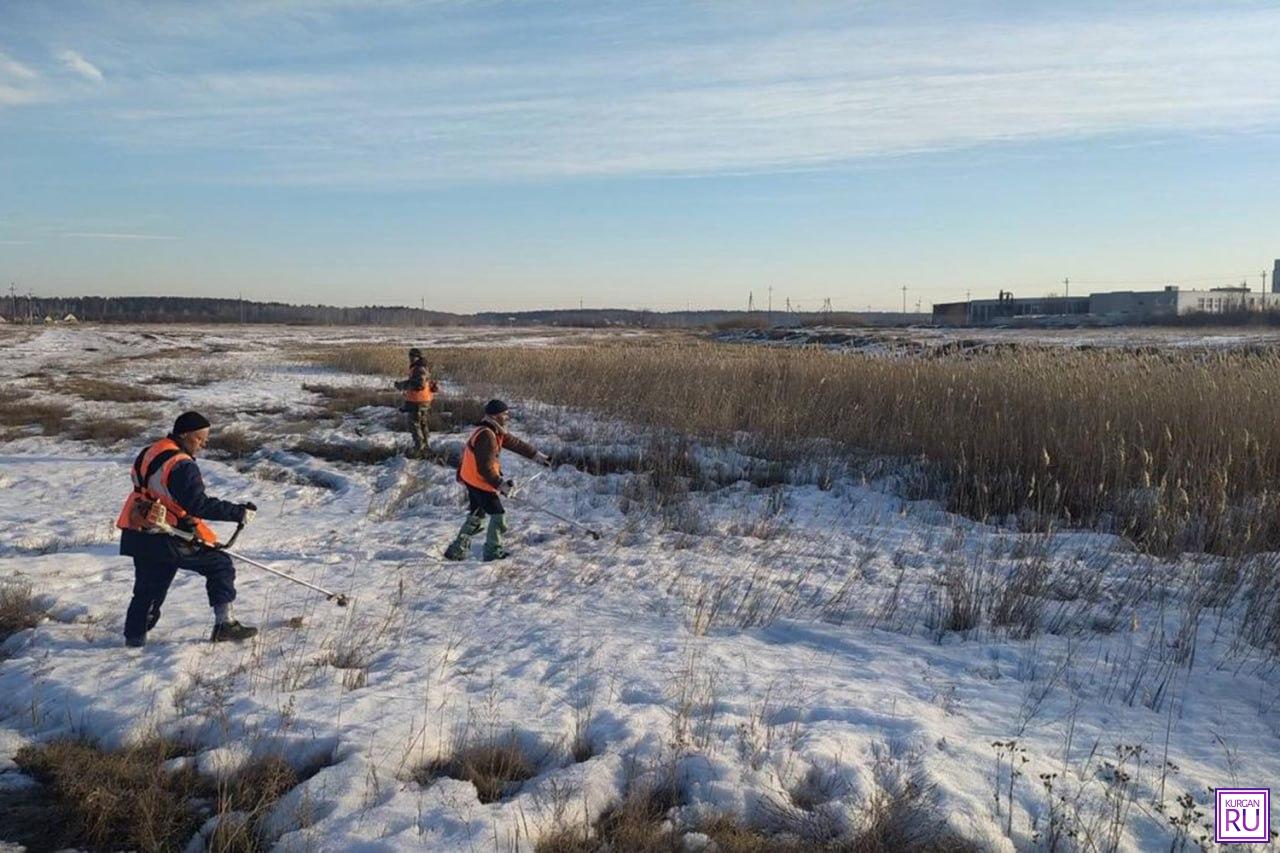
column 115, row 235
column 15, row 70
column 80, row 65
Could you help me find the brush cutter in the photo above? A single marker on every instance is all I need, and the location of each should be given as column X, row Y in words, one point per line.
column 163, row 526
column 524, row 484
column 535, row 505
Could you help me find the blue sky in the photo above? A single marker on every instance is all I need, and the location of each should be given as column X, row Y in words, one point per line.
column 484, row 155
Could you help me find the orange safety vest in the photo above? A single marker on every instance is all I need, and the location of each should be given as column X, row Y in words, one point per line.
column 468, row 470
column 151, row 485
column 420, row 396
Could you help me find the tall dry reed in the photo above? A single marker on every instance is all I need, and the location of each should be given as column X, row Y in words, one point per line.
column 1179, row 450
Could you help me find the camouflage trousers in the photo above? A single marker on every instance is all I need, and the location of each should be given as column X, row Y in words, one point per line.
column 419, row 429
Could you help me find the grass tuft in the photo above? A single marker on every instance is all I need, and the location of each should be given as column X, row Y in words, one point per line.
column 19, row 609
column 127, row 799
column 495, row 766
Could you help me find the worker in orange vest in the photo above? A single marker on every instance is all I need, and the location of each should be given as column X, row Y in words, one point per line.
column 418, row 390
column 481, row 472
column 165, row 476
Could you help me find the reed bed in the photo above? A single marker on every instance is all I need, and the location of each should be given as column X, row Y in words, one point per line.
column 1178, row 450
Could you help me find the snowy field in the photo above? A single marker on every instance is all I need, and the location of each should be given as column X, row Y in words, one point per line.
column 788, row 653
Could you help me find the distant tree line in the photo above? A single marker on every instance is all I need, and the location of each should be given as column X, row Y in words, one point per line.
column 184, row 309
column 187, row 309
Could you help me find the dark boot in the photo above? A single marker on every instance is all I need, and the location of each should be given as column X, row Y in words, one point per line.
column 135, row 642
column 493, row 549
column 231, row 631
column 460, row 547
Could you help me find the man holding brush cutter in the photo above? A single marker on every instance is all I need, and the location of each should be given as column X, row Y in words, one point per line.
column 481, row 473
column 163, row 524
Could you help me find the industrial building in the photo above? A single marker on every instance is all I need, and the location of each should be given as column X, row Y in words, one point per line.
column 1117, row 306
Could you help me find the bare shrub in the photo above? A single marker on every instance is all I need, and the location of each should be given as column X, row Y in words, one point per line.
column 1151, row 444
column 1017, row 602
column 495, row 765
column 108, row 391
column 19, row 609
column 967, row 590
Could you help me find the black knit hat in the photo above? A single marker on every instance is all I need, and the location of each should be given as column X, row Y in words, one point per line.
column 495, row 407
column 415, row 353
column 189, row 422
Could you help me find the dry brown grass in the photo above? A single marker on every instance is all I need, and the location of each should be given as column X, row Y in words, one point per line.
column 1178, row 450
column 495, row 765
column 19, row 609
column 338, row 452
column 105, row 430
column 233, row 442
column 109, row 800
column 13, row 395
column 125, row 799
column 21, row 414
column 450, row 413
column 338, row 400
column 107, row 391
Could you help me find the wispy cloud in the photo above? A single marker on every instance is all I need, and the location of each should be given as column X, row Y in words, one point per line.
column 116, row 235
column 18, row 83
column 459, row 93
column 80, row 65
column 14, row 69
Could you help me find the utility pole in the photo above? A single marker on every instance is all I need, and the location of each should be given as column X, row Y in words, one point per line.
column 1066, row 283
column 751, row 296
column 788, row 304
column 771, row 302
column 904, row 300
column 13, row 296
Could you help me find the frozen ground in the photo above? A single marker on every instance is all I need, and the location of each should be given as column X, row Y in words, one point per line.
column 788, row 650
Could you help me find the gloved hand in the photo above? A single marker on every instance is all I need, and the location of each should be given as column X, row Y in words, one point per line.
column 433, row 385
column 542, row 459
column 250, row 510
column 400, row 383
column 506, row 487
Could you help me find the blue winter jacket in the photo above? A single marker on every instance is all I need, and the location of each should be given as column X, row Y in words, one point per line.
column 186, row 486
